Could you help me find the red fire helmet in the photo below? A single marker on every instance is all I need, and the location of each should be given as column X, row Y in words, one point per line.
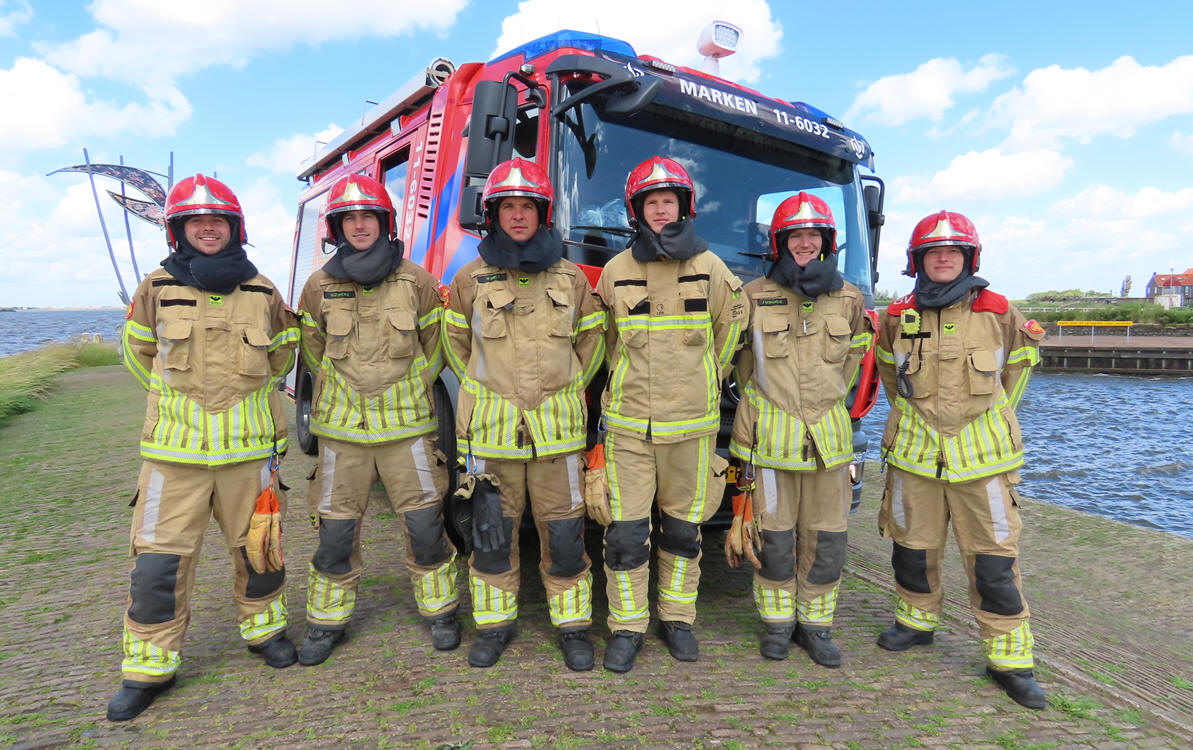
column 356, row 192
column 518, row 177
column 942, row 228
column 202, row 195
column 656, row 173
column 803, row 211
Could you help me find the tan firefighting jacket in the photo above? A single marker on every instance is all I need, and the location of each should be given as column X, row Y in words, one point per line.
column 525, row 347
column 799, row 361
column 212, row 364
column 375, row 352
column 967, row 365
column 674, row 328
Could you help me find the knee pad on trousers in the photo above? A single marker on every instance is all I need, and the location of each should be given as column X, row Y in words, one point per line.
column 679, row 537
column 995, row 581
column 625, row 544
column 777, row 557
column 565, row 540
column 424, row 529
column 336, row 537
column 260, row 585
column 830, row 558
column 911, row 568
column 155, row 576
column 497, row 561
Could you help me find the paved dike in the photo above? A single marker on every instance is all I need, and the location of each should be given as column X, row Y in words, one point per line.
column 1112, row 612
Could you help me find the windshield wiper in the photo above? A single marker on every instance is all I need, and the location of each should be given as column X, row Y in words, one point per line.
column 623, row 231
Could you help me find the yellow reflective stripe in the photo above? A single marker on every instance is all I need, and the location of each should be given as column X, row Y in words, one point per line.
column 433, row 318
column 142, row 657
column 185, row 434
column 436, row 590
column 491, row 605
column 264, row 624
column 453, row 318
column 1015, row 395
column 882, row 355
column 861, row 340
column 573, row 605
column 914, row 617
column 663, row 322
column 626, row 610
column 598, row 358
column 592, row 320
column 136, row 331
column 557, row 425
column 308, row 357
column 725, row 356
column 818, row 610
column 780, row 437
column 611, row 473
column 673, row 590
column 402, row 410
column 328, row 601
column 284, row 336
column 1028, row 354
column 1013, row 650
column 774, row 604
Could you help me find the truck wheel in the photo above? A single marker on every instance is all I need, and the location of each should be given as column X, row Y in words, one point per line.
column 445, row 438
column 304, row 390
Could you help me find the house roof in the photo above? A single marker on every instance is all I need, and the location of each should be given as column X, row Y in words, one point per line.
column 1174, row 279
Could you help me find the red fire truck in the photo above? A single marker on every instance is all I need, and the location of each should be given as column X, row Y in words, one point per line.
column 588, row 108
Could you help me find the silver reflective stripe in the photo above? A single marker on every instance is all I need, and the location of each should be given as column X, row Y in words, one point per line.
column 573, row 464
column 153, row 503
column 759, row 375
column 998, row 510
column 770, row 491
column 426, row 480
column 478, row 346
column 327, row 476
column 264, row 477
column 897, row 509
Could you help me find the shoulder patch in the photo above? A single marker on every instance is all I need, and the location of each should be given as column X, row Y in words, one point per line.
column 1033, row 330
column 129, row 313
column 988, row 301
column 901, row 304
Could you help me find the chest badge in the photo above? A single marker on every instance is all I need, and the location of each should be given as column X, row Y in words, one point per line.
column 949, row 328
column 215, row 299
column 367, row 290
column 523, row 281
column 807, row 306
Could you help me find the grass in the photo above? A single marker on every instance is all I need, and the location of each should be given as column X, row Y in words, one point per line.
column 27, row 377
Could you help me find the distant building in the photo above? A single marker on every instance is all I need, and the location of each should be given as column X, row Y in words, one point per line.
column 1171, row 289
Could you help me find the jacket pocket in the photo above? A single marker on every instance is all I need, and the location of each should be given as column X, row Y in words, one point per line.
column 339, row 331
column 402, row 334
column 837, row 335
column 775, row 329
column 561, row 313
column 175, row 342
column 254, row 354
column 633, row 313
column 983, row 373
column 493, row 311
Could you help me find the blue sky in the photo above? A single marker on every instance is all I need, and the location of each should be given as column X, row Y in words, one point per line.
column 1063, row 129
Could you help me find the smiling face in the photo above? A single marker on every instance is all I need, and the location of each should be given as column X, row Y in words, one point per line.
column 207, row 233
column 518, row 217
column 361, row 229
column 660, row 208
column 804, row 245
column 944, row 263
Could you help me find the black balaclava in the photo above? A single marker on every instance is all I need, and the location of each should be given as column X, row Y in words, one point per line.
column 540, row 252
column 367, row 267
column 219, row 273
column 933, row 295
column 816, row 278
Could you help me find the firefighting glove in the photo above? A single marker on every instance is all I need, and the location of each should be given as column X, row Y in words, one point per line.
column 461, row 511
column 488, row 528
column 264, row 544
column 744, row 536
column 596, row 486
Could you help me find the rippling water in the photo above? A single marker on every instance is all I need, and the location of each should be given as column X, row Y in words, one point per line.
column 22, row 330
column 1117, row 446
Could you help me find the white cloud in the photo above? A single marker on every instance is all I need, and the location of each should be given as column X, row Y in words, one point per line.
column 54, row 109
column 667, row 30
column 1108, row 203
column 19, row 16
column 270, row 224
column 287, row 154
column 926, row 92
column 1182, row 142
column 1054, row 102
column 984, row 176
column 182, row 37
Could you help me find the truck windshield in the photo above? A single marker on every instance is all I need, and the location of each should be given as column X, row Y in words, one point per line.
column 741, row 176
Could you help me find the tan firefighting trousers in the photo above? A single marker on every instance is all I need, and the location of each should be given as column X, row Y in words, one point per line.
column 174, row 503
column 555, row 488
column 687, row 479
column 915, row 514
column 415, row 479
column 803, row 516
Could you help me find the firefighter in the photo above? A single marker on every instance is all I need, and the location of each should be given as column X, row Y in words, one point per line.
column 955, row 359
column 524, row 332
column 210, row 339
column 371, row 334
column 676, row 316
column 792, row 433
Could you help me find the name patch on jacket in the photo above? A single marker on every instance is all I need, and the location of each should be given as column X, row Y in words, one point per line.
column 173, row 302
column 488, row 277
column 772, row 302
column 342, row 294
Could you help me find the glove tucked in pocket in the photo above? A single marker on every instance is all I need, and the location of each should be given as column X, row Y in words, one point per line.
column 596, row 486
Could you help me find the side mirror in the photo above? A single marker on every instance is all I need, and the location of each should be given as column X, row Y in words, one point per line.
column 471, row 214
column 490, row 128
column 873, row 195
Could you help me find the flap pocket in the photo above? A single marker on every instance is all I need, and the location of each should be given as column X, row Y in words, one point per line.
column 634, row 302
column 403, row 320
column 339, row 323
column 836, row 325
column 176, row 330
column 984, row 361
column 254, row 360
column 560, row 297
column 256, row 338
column 775, row 323
column 400, row 343
column 500, row 298
column 983, row 373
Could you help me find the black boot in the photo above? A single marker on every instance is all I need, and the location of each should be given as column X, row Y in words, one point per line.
column 445, row 632
column 818, row 642
column 899, row 637
column 278, row 651
column 134, row 697
column 680, row 641
column 1021, row 685
column 489, row 644
column 577, row 651
column 621, row 651
column 318, row 644
column 776, row 644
